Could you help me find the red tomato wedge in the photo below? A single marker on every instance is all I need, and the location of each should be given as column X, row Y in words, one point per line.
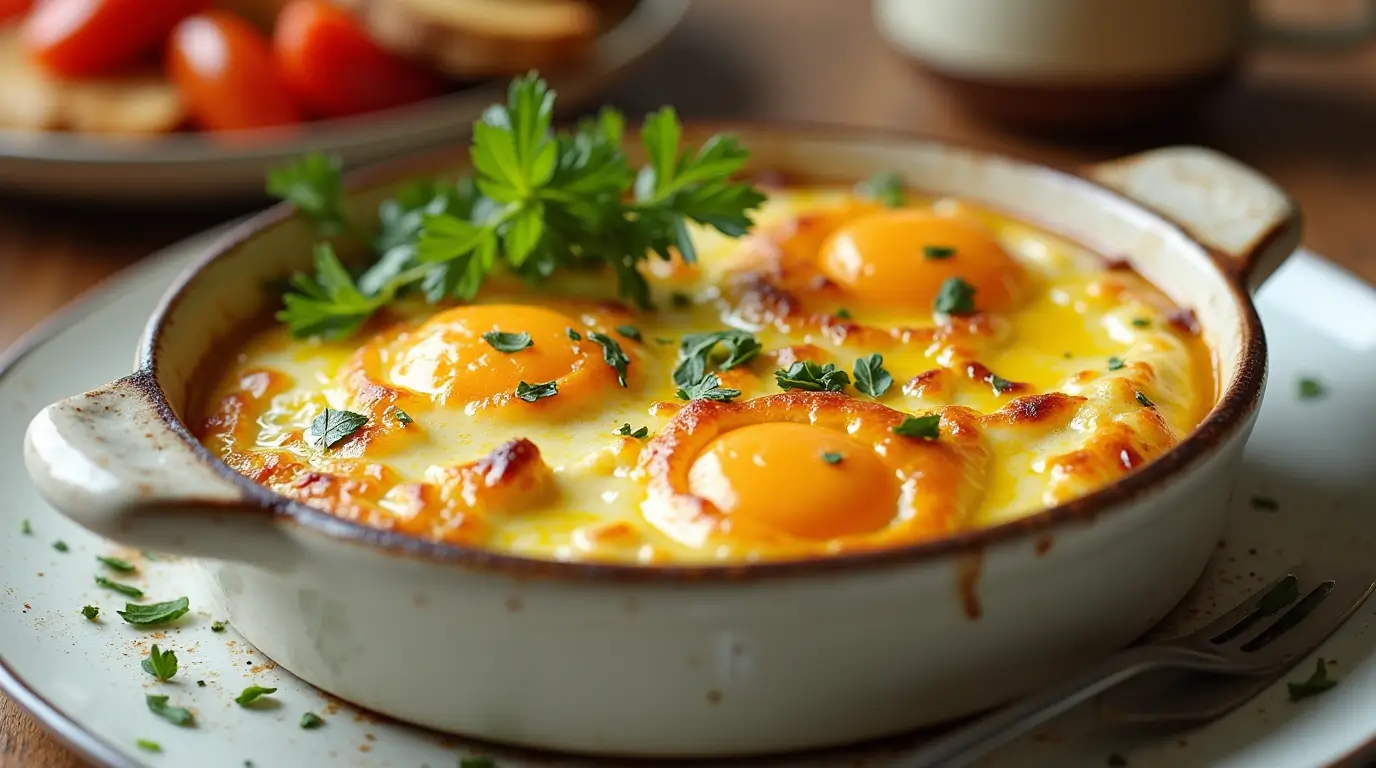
column 336, row 69
column 77, row 38
column 226, row 74
column 13, row 9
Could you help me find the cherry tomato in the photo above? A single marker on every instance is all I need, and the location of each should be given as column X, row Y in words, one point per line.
column 226, row 74
column 13, row 9
column 75, row 38
column 335, row 69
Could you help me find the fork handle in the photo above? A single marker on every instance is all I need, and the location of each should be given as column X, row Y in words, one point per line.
column 971, row 742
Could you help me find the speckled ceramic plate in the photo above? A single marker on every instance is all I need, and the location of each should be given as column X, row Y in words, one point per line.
column 1313, row 458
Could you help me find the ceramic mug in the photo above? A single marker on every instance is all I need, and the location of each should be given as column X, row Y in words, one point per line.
column 1086, row 63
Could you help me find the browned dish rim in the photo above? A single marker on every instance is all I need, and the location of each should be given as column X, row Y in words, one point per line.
column 1234, row 406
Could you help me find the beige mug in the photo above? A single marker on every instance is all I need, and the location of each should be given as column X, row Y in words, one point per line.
column 1086, row 63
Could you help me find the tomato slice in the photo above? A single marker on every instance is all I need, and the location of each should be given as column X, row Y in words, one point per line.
column 335, row 68
column 77, row 38
column 13, row 9
column 226, row 74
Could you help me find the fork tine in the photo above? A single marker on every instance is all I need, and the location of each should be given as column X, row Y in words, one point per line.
column 1300, row 573
column 1304, row 633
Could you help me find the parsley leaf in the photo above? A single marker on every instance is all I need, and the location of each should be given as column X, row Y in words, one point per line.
column 403, row 418
column 60, row 546
column 1000, row 384
column 1315, row 685
column 956, row 297
column 332, row 426
column 251, row 694
column 1311, row 389
column 831, row 457
column 123, row 589
column 842, row 313
column 626, row 431
column 924, row 427
column 1140, row 322
column 629, row 331
column 709, row 388
column 612, row 354
column 116, row 564
column 937, row 252
column 329, row 305
column 1144, row 400
column 532, row 392
column 886, row 187
column 477, row 762
column 508, row 342
column 811, row 377
column 870, row 377
column 160, row 664
column 312, row 185
column 697, row 352
column 217, row 626
column 175, row 715
column 311, row 721
column 25, row 528
column 1115, row 363
column 148, row 746
column 573, row 335
column 90, row 612
column 155, row 613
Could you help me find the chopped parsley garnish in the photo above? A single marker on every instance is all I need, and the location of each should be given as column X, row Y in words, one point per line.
column 698, row 353
column 175, row 715
column 123, row 589
column 956, row 297
column 60, row 545
column 25, row 528
column 629, row 331
column 1265, row 502
column 403, row 418
column 1115, row 363
column 1311, row 389
column 870, row 377
column 90, row 612
column 1140, row 322
column 332, row 426
column 811, row 377
column 543, row 200
column 999, row 383
column 477, row 762
column 251, row 694
column 612, row 355
column 148, row 746
column 843, row 313
column 155, row 613
column 311, row 721
column 503, row 341
column 709, row 388
column 218, row 626
column 886, row 187
column 937, row 252
column 573, row 335
column 116, row 564
column 1144, row 400
column 628, row 432
column 532, row 392
column 1315, row 685
column 924, row 427
column 832, row 457
column 160, row 664
column 200, row 683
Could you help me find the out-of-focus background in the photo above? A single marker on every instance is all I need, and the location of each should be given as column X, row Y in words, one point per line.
column 1058, row 81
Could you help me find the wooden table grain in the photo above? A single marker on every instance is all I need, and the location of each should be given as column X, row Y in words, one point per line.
column 1306, row 119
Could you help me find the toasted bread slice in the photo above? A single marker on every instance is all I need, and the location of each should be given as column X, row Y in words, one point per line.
column 482, row 38
column 30, row 99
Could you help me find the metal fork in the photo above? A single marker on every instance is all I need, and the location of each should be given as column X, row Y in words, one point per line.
column 1265, row 634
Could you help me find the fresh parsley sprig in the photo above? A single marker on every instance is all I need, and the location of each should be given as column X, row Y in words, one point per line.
column 812, row 377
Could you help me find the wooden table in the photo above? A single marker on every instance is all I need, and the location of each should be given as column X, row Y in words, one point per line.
column 1307, row 120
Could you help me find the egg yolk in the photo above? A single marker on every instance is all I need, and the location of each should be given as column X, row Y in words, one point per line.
column 799, row 480
column 448, row 358
column 900, row 258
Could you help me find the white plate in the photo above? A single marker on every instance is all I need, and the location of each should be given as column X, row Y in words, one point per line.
column 188, row 168
column 83, row 679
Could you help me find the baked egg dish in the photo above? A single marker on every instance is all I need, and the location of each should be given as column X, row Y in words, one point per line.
column 852, row 374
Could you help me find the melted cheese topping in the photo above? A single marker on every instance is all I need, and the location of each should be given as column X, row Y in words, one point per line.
column 1071, row 374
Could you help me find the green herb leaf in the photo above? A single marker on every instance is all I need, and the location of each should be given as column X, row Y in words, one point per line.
column 573, row 335
column 843, row 313
column 629, row 331
column 90, row 612
column 1140, row 322
column 1000, row 384
column 123, row 589
column 811, row 377
column 612, row 354
column 886, row 187
column 148, row 746
column 403, row 418
column 175, row 715
column 956, row 297
column 25, row 528
column 332, row 426
column 218, row 626
column 477, row 762
column 1311, row 389
column 1265, row 502
column 60, row 545
column 937, row 252
column 698, row 353
column 116, row 564
column 329, row 304
column 1115, row 363
column 1144, row 400
column 870, row 377
column 832, row 457
column 160, row 664
column 311, row 721
column 924, row 427
column 532, row 392
column 200, row 683
column 508, row 342
column 1315, row 685
column 628, row 432
column 155, row 613
column 709, row 388
column 312, row 185
column 251, row 694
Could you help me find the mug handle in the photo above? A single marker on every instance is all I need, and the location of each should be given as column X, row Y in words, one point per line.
column 1330, row 37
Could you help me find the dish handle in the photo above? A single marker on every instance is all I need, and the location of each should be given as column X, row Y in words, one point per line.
column 110, row 461
column 1248, row 222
